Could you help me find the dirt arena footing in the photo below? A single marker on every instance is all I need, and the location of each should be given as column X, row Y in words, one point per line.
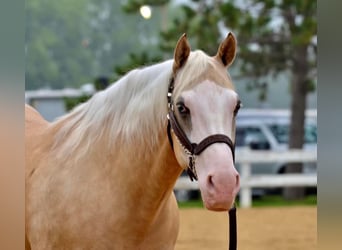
column 280, row 228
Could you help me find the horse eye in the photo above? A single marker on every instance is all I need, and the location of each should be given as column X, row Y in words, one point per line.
column 238, row 106
column 182, row 109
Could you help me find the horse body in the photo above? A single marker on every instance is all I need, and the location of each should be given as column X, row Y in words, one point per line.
column 102, row 176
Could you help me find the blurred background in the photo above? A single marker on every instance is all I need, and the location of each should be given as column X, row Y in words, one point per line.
column 75, row 48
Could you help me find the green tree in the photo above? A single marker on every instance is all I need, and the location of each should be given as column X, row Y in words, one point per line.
column 277, row 37
column 55, row 55
column 69, row 43
column 274, row 37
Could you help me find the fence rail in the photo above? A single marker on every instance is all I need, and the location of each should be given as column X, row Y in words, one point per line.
column 246, row 157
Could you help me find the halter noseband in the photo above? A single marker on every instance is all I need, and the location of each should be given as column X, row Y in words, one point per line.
column 191, row 149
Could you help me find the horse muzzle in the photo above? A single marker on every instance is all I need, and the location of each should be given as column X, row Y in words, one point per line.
column 217, row 177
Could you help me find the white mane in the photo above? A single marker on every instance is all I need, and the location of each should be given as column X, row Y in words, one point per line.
column 131, row 111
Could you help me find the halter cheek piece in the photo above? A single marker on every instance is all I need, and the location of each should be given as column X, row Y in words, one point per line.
column 193, row 149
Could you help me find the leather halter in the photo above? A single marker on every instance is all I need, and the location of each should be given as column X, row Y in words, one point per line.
column 191, row 149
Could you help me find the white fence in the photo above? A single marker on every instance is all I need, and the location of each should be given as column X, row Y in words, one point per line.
column 246, row 157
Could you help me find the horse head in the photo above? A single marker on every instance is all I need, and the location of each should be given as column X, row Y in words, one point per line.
column 202, row 110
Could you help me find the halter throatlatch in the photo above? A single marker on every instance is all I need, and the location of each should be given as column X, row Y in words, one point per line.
column 191, row 149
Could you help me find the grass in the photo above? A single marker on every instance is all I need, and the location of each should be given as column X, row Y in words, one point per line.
column 264, row 201
column 277, row 201
column 191, row 204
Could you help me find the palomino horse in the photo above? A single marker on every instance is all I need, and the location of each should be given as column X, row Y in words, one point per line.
column 102, row 176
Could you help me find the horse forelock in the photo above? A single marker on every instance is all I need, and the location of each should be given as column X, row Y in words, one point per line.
column 200, row 67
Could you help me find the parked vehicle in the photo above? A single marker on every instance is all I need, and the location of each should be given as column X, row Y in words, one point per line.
column 262, row 129
column 269, row 130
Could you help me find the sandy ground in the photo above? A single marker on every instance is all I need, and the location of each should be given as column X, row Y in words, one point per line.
column 282, row 228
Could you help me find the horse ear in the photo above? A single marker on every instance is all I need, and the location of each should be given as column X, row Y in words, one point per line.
column 227, row 50
column 181, row 53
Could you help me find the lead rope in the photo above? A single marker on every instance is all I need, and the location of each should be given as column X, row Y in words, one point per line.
column 232, row 224
column 232, row 228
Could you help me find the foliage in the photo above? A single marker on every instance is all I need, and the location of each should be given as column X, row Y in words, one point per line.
column 54, row 52
column 70, row 103
column 69, row 43
column 136, row 60
column 134, row 5
column 268, row 33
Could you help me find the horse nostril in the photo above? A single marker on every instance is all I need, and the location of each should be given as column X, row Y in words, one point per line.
column 237, row 180
column 210, row 181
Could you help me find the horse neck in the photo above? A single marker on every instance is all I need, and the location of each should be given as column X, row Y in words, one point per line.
column 141, row 187
column 154, row 171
